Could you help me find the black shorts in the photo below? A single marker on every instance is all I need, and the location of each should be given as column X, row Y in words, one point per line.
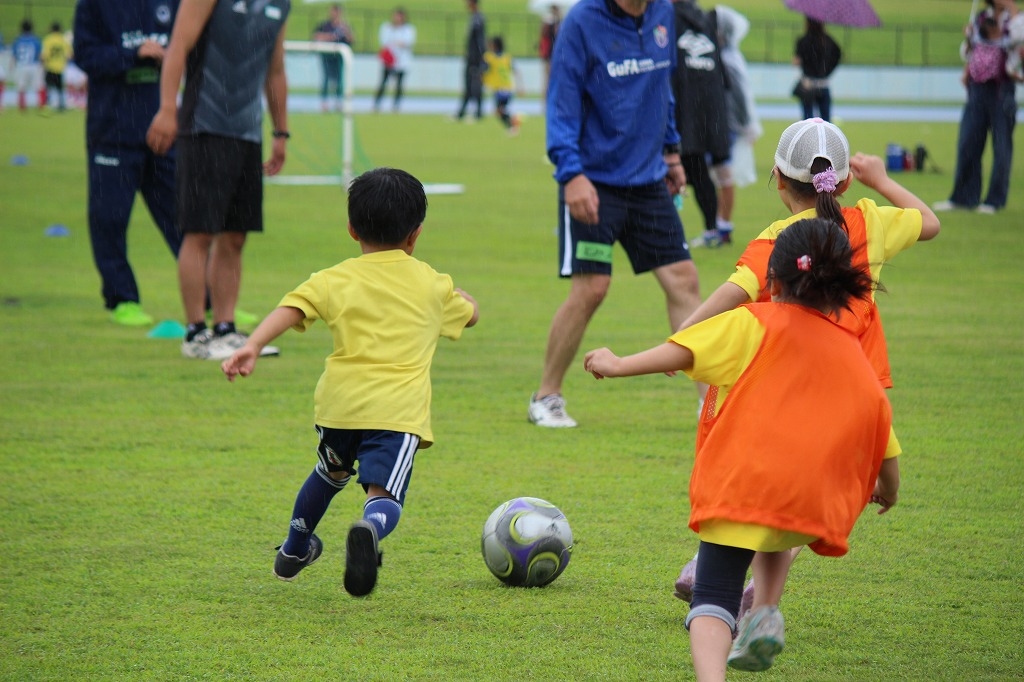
column 54, row 80
column 220, row 185
column 643, row 219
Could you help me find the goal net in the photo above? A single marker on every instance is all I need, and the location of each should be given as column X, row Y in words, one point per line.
column 323, row 149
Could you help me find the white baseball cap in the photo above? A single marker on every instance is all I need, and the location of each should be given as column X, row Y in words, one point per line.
column 805, row 141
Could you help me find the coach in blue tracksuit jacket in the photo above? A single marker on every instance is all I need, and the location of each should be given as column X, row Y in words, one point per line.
column 612, row 136
column 120, row 46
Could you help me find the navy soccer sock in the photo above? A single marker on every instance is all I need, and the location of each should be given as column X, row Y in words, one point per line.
column 310, row 506
column 383, row 513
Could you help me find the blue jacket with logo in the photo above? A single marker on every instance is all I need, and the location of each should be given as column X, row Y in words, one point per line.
column 124, row 91
column 610, row 108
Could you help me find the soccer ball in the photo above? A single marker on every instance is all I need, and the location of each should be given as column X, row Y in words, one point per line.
column 526, row 542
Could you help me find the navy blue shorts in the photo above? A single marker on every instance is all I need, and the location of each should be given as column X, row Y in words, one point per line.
column 220, row 185
column 643, row 219
column 385, row 457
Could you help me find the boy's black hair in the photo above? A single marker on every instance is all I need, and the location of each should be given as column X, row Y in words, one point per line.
column 812, row 261
column 385, row 206
column 499, row 44
column 26, row 26
column 55, row 27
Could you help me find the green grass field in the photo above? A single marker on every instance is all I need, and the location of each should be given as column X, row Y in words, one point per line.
column 144, row 494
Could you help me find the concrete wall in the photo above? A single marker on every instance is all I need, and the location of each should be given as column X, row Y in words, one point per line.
column 443, row 75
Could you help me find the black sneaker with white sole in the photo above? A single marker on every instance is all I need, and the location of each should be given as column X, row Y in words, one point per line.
column 286, row 566
column 361, row 559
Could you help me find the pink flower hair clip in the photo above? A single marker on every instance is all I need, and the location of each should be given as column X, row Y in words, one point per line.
column 825, row 181
column 803, row 263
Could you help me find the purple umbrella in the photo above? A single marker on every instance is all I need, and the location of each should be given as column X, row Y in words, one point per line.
column 856, row 13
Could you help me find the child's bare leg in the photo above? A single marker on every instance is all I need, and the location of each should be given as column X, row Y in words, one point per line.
column 770, row 572
column 710, row 640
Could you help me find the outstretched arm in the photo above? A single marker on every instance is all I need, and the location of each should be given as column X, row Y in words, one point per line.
column 725, row 298
column 870, row 170
column 668, row 357
column 275, row 324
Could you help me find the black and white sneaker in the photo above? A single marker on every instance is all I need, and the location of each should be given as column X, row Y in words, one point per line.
column 361, row 559
column 286, row 566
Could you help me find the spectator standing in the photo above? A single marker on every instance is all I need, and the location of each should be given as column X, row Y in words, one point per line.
column 700, row 84
column 56, row 52
column 3, row 69
column 120, row 46
column 28, row 71
column 617, row 167
column 546, row 45
column 333, row 30
column 476, row 46
column 991, row 106
column 744, row 124
column 397, row 38
column 219, row 133
column 817, row 55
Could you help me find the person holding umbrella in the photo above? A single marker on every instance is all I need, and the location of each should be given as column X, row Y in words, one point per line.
column 817, row 55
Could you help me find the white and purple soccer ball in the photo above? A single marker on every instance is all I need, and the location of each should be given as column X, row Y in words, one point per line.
column 526, row 542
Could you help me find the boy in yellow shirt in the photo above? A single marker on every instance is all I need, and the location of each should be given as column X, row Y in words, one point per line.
column 55, row 56
column 499, row 76
column 386, row 311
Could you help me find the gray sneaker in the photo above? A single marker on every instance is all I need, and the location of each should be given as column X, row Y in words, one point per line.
column 286, row 566
column 550, row 411
column 760, row 637
column 200, row 346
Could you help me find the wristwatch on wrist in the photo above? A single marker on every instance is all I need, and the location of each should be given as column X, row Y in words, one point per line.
column 282, row 134
column 670, row 149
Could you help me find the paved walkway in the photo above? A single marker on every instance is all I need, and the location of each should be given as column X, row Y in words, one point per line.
column 446, row 106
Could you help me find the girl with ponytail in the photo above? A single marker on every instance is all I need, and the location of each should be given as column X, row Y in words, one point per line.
column 792, row 442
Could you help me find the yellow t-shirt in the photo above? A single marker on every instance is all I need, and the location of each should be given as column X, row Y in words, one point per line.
column 890, row 230
column 498, row 76
column 386, row 312
column 56, row 52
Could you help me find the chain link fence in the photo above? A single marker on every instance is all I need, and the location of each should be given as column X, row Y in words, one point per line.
column 443, row 33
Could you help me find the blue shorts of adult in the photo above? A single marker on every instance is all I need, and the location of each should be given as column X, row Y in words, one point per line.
column 642, row 219
column 384, row 458
column 220, row 184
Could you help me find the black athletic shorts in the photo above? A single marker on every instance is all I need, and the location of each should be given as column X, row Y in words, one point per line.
column 642, row 219
column 220, row 184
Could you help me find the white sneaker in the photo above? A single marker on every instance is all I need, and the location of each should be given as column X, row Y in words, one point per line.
column 946, row 205
column 760, row 638
column 223, row 347
column 199, row 346
column 550, row 411
column 987, row 209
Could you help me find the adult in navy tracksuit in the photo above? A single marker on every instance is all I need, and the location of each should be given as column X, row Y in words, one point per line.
column 612, row 136
column 120, row 46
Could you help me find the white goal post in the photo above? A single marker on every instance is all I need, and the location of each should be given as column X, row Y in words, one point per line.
column 347, row 135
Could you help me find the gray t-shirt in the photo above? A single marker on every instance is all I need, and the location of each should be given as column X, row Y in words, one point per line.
column 226, row 69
